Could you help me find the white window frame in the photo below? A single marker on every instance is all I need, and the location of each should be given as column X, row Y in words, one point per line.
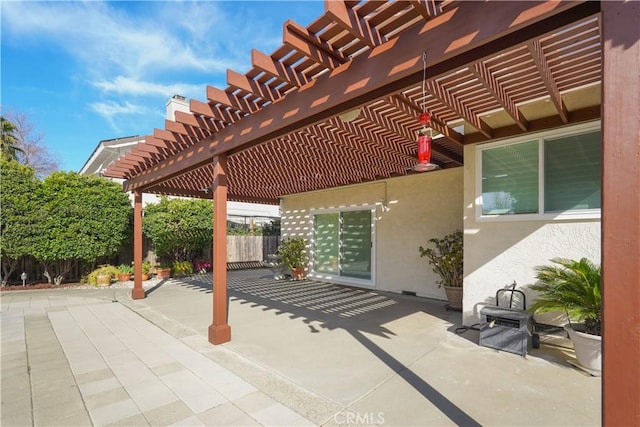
column 342, row 280
column 541, row 215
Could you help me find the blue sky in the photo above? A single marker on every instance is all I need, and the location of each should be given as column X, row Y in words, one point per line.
column 88, row 71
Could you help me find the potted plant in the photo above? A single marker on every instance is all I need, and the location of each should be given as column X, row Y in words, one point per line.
column 124, row 272
column 146, row 268
column 574, row 287
column 102, row 275
column 446, row 260
column 163, row 270
column 294, row 255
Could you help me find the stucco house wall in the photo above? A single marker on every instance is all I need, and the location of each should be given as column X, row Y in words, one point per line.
column 498, row 253
column 421, row 206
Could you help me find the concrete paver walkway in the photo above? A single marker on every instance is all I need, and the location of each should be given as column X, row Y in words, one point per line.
column 96, row 362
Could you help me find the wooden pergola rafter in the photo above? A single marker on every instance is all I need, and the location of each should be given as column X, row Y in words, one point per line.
column 346, row 33
column 494, row 70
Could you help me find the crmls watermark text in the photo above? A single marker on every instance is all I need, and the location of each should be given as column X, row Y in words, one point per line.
column 356, row 418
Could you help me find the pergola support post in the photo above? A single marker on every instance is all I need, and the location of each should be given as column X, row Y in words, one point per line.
column 621, row 213
column 219, row 330
column 137, row 292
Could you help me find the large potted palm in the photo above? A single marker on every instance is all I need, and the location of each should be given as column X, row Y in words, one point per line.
column 574, row 287
column 446, row 259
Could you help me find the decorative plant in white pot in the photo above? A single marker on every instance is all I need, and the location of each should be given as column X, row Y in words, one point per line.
column 575, row 288
column 446, row 259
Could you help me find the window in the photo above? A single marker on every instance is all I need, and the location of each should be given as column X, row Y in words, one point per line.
column 572, row 173
column 510, row 179
column 343, row 244
column 551, row 176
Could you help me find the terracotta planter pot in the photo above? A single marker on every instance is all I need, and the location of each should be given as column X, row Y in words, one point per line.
column 454, row 296
column 145, row 276
column 297, row 273
column 124, row 277
column 163, row 273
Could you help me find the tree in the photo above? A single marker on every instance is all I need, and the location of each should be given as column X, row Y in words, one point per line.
column 9, row 142
column 178, row 228
column 87, row 217
column 21, row 215
column 271, row 228
column 30, row 144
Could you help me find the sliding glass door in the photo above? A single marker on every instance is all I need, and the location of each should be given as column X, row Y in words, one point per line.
column 343, row 244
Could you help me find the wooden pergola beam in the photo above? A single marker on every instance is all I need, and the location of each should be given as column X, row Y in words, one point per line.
column 489, row 82
column 277, row 69
column 219, row 96
column 451, row 102
column 246, row 84
column 426, row 8
column 383, row 72
column 214, row 112
column 297, row 37
column 547, row 77
column 348, row 20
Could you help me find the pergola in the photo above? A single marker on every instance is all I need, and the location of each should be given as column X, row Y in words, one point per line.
column 492, row 70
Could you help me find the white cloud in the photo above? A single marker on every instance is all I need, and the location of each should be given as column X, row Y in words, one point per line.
column 112, row 112
column 110, row 109
column 104, row 35
column 122, row 85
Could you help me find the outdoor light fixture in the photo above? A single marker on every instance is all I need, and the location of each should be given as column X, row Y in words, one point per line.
column 23, row 276
column 350, row 115
column 425, row 135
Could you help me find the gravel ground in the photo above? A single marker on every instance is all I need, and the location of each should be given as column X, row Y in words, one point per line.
column 115, row 285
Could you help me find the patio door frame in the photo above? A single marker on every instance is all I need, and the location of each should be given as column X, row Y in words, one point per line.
column 344, row 280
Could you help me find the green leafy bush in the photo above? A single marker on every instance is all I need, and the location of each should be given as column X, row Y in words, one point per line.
column 182, row 268
column 107, row 269
column 21, row 219
column 83, row 218
column 179, row 229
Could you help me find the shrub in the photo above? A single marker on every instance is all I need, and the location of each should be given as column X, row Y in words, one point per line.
column 182, row 268
column 83, row 218
column 107, row 269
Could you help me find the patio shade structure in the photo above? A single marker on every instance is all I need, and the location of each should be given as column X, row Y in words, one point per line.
column 493, row 70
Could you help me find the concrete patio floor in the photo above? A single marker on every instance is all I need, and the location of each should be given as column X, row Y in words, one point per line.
column 302, row 353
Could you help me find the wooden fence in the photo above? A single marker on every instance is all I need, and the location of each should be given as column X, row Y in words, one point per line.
column 242, row 252
column 250, row 248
